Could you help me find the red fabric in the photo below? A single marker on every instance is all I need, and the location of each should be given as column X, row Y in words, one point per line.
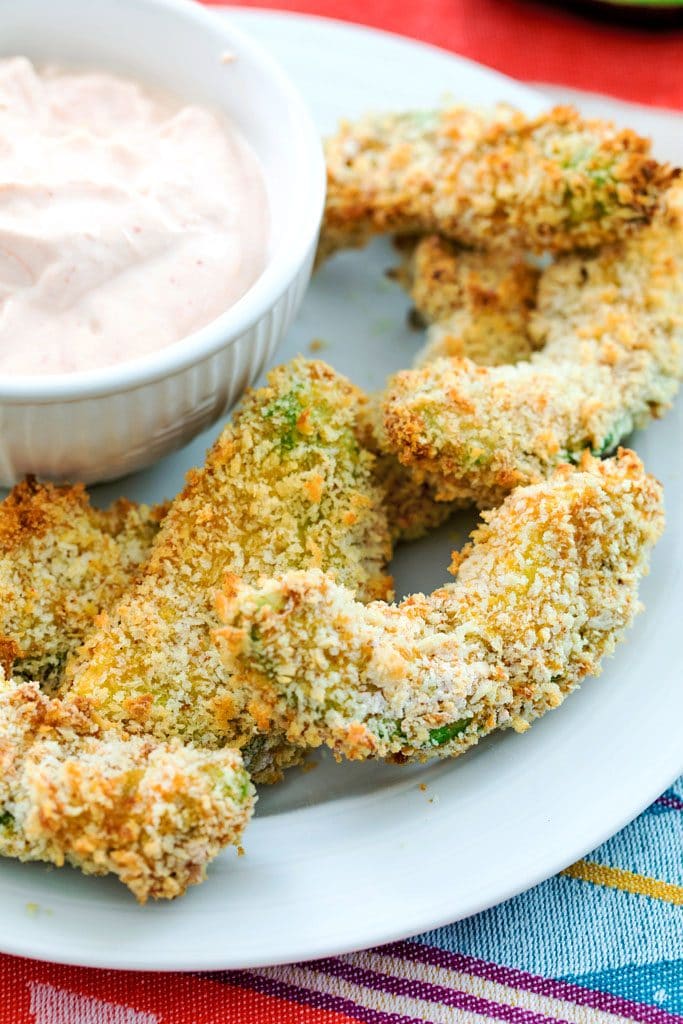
column 168, row 998
column 529, row 41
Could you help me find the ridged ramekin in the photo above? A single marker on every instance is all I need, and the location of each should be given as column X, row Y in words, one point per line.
column 102, row 424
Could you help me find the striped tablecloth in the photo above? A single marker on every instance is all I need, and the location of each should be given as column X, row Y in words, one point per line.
column 599, row 944
column 602, row 942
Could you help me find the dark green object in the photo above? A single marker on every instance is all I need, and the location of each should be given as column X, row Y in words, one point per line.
column 445, row 733
column 286, row 409
column 650, row 15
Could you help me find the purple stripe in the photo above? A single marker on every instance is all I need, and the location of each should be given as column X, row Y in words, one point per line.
column 670, row 801
column 413, row 988
column 514, row 978
column 270, row 986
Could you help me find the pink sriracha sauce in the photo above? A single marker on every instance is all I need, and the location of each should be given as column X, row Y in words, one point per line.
column 128, row 219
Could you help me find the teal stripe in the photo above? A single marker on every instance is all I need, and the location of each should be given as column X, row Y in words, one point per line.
column 655, row 984
column 565, row 928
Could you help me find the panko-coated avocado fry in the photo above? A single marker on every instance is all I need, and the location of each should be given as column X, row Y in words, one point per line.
column 62, row 562
column 489, row 179
column 411, row 507
column 286, row 486
column 542, row 594
column 77, row 792
column 611, row 330
column 476, row 304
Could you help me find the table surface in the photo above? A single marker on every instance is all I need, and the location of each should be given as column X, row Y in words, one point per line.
column 535, row 42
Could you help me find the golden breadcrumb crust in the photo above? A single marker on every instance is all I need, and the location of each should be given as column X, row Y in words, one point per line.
column 285, row 486
column 74, row 791
column 544, row 591
column 62, row 562
column 411, row 508
column 610, row 325
column 477, row 304
column 489, row 179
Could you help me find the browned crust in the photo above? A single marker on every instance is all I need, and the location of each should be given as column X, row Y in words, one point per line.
column 490, row 179
column 542, row 593
column 31, row 509
column 608, row 332
column 62, row 563
column 9, row 652
column 286, row 484
column 73, row 790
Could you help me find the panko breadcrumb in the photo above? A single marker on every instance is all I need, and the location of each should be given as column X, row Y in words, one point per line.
column 489, row 179
column 286, row 485
column 74, row 791
column 412, row 509
column 62, row 562
column 611, row 326
column 477, row 304
column 543, row 593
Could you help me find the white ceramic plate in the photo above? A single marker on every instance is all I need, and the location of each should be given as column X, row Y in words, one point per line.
column 348, row 856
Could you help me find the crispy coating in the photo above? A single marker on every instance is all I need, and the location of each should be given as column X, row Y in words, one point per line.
column 73, row 791
column 411, row 508
column 285, row 486
column 543, row 593
column 494, row 179
column 62, row 562
column 477, row 304
column 611, row 325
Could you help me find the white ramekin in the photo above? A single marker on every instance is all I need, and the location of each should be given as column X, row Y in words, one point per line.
column 101, row 424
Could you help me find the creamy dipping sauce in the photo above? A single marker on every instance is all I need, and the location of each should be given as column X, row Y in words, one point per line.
column 127, row 218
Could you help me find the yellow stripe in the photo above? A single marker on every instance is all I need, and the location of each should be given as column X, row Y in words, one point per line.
column 627, row 881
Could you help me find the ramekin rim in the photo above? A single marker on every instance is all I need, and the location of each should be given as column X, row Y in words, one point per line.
column 226, row 329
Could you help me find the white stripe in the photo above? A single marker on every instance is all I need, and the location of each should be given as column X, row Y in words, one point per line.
column 484, row 988
column 385, row 1002
column 52, row 1005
